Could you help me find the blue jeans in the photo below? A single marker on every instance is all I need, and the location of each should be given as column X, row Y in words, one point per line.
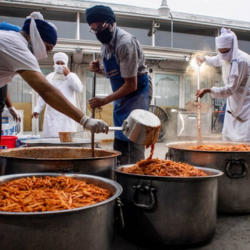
column 131, row 152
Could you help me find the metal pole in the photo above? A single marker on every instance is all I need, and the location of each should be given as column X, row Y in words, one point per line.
column 78, row 26
column 153, row 33
column 172, row 30
column 93, row 111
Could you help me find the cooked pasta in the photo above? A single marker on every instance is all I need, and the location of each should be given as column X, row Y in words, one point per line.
column 48, row 194
column 208, row 147
column 159, row 167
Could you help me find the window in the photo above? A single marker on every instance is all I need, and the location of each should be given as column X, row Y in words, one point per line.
column 103, row 89
column 167, row 90
column 21, row 97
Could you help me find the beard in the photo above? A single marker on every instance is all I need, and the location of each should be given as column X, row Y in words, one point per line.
column 226, row 66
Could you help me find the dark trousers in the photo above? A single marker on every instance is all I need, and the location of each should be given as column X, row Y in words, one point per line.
column 3, row 92
column 131, row 152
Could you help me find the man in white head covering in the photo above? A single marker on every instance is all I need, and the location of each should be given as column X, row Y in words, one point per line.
column 235, row 71
column 68, row 84
column 19, row 51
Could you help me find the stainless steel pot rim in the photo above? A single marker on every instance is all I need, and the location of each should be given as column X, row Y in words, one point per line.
column 6, row 178
column 168, row 178
column 177, row 146
column 59, row 159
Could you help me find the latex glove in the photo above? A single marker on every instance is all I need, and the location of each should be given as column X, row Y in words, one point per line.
column 94, row 125
column 15, row 115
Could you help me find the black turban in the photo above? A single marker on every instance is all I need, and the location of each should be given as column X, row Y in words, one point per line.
column 100, row 13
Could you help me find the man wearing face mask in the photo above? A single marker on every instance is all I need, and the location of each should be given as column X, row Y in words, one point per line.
column 124, row 64
column 19, row 52
column 235, row 71
column 68, row 84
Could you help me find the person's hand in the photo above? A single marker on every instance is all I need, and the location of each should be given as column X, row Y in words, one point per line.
column 14, row 114
column 201, row 92
column 34, row 114
column 96, row 102
column 94, row 125
column 66, row 71
column 200, row 59
column 94, row 66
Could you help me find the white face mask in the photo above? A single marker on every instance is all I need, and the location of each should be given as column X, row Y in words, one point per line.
column 226, row 56
column 59, row 68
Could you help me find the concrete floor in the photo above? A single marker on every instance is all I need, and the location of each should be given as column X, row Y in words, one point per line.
column 232, row 231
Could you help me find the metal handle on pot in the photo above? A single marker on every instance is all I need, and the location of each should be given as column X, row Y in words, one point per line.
column 242, row 163
column 168, row 155
column 143, row 190
column 119, row 219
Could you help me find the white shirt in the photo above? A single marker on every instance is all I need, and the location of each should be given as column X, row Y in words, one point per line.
column 54, row 121
column 233, row 129
column 14, row 56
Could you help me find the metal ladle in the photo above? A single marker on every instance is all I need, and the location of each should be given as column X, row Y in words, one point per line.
column 141, row 127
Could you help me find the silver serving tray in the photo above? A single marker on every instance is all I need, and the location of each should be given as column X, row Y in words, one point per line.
column 56, row 142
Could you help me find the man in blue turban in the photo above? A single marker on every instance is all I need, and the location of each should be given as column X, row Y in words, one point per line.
column 19, row 52
column 123, row 63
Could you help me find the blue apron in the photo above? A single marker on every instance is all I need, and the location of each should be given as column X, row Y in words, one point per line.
column 138, row 99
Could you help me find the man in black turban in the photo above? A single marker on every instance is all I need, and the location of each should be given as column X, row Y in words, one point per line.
column 124, row 64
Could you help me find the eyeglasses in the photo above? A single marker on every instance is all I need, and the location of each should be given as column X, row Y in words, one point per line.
column 100, row 28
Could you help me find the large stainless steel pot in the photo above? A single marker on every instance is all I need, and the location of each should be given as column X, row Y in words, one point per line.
column 89, row 227
column 168, row 210
column 58, row 159
column 234, row 186
column 52, row 142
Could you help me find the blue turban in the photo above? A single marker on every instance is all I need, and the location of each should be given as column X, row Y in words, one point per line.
column 8, row 26
column 100, row 13
column 46, row 31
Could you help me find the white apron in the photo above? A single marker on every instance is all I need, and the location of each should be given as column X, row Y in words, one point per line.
column 233, row 129
column 55, row 121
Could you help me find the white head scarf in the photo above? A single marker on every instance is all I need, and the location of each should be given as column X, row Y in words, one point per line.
column 228, row 40
column 60, row 57
column 37, row 43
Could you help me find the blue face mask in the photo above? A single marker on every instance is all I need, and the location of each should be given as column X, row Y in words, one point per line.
column 226, row 56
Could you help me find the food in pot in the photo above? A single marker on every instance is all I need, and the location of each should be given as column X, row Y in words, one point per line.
column 49, row 194
column 207, row 147
column 159, row 167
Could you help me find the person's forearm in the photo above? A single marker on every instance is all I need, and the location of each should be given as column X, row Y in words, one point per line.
column 127, row 88
column 8, row 102
column 51, row 95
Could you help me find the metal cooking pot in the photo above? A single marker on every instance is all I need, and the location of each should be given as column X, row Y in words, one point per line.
column 90, row 227
column 160, row 211
column 141, row 127
column 58, row 159
column 233, row 190
column 52, row 142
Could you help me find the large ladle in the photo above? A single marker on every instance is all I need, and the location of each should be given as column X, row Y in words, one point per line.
column 141, row 127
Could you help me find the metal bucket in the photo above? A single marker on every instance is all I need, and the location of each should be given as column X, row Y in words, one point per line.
column 59, row 160
column 233, row 190
column 165, row 211
column 90, row 227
